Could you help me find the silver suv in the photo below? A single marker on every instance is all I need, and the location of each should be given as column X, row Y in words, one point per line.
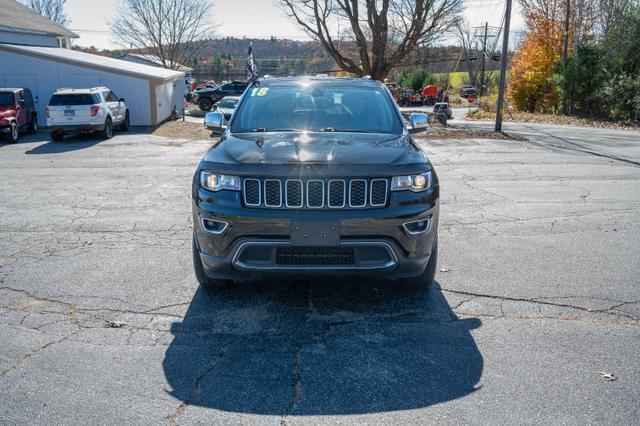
column 85, row 111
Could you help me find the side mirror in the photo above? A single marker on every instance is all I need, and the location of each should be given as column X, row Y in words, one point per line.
column 121, row 100
column 215, row 122
column 419, row 122
column 21, row 102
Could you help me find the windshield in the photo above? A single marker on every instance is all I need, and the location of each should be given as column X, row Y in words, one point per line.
column 228, row 103
column 320, row 107
column 6, row 99
column 79, row 99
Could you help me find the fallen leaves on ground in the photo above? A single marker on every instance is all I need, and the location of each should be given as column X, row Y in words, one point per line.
column 182, row 130
column 608, row 376
column 452, row 132
column 527, row 117
column 195, row 131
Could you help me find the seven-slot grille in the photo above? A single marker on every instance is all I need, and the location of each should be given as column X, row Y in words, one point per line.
column 315, row 193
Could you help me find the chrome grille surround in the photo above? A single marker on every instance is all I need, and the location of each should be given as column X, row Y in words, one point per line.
column 316, row 206
column 286, row 193
column 364, row 196
column 330, row 193
column 371, row 193
column 244, row 192
column 267, row 190
column 331, row 183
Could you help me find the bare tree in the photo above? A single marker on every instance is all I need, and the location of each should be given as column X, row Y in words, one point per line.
column 384, row 31
column 52, row 9
column 611, row 11
column 167, row 29
column 466, row 38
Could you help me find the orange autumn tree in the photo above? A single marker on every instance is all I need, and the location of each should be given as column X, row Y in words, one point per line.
column 532, row 88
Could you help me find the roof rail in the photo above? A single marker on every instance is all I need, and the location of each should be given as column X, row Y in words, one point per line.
column 64, row 88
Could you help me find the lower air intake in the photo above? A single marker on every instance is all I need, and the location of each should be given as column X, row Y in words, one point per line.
column 314, row 256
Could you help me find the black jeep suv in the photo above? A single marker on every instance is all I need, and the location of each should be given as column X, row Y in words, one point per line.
column 311, row 176
column 207, row 97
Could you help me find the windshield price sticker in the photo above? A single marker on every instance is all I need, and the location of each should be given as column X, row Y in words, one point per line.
column 259, row 91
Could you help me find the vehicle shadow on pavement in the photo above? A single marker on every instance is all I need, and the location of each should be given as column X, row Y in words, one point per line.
column 70, row 143
column 331, row 347
column 75, row 142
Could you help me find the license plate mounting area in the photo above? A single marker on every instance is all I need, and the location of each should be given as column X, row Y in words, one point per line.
column 315, row 233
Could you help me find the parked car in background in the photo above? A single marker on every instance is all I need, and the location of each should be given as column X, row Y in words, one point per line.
column 467, row 90
column 443, row 108
column 86, row 110
column 227, row 105
column 206, row 98
column 17, row 113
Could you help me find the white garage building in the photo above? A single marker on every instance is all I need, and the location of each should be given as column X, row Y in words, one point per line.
column 151, row 93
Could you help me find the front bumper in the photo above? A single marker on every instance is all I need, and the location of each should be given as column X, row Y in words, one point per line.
column 376, row 237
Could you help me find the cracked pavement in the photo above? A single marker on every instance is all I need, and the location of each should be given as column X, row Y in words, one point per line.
column 538, row 292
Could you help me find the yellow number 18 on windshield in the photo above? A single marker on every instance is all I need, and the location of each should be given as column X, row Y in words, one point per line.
column 259, row 91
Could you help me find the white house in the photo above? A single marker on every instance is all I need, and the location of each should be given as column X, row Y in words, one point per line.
column 21, row 25
column 38, row 62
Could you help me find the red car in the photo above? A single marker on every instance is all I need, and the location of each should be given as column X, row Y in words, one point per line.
column 17, row 112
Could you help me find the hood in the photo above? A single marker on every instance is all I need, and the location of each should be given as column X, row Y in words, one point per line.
column 6, row 110
column 315, row 148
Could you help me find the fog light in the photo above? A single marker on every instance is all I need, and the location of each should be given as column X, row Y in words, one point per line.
column 418, row 226
column 214, row 226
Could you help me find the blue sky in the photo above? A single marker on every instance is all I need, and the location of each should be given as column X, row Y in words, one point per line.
column 250, row 18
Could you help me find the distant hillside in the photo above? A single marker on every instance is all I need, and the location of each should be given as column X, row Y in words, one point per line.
column 225, row 58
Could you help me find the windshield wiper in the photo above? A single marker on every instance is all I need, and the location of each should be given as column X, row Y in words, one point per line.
column 264, row 129
column 333, row 129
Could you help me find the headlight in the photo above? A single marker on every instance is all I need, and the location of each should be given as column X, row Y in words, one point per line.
column 413, row 183
column 215, row 182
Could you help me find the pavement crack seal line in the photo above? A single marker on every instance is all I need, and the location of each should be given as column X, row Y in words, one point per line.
column 173, row 417
column 33, row 353
column 537, row 301
column 298, row 386
column 73, row 309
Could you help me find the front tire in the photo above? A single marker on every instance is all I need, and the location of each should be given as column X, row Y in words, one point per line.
column 205, row 104
column 126, row 123
column 57, row 136
column 425, row 279
column 203, row 279
column 14, row 133
column 33, row 126
column 107, row 133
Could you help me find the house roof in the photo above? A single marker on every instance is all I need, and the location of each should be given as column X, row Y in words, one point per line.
column 16, row 16
column 154, row 60
column 89, row 60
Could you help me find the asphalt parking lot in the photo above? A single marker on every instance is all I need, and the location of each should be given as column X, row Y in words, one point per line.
column 537, row 298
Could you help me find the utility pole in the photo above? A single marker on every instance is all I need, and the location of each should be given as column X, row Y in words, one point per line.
column 503, row 65
column 484, row 54
column 565, row 53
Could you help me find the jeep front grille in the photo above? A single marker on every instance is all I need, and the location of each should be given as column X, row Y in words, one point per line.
column 315, row 193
